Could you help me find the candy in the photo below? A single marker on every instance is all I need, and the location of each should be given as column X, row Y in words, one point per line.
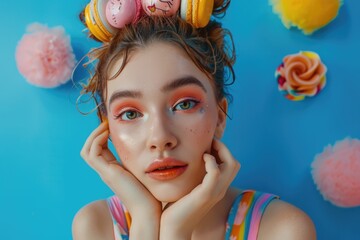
column 301, row 75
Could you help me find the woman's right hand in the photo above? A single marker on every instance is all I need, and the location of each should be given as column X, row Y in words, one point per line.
column 137, row 199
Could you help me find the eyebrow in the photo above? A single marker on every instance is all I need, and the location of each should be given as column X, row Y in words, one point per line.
column 177, row 83
column 183, row 81
column 124, row 94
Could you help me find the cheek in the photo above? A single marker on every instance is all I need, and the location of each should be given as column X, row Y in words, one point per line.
column 201, row 128
column 123, row 140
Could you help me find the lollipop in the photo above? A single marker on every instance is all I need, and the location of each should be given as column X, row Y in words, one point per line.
column 301, row 75
column 307, row 15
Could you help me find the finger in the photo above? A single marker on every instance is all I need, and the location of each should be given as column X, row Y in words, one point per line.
column 212, row 170
column 101, row 128
column 109, row 156
column 99, row 143
column 210, row 163
column 222, row 151
column 96, row 158
column 229, row 165
column 224, row 155
column 87, row 145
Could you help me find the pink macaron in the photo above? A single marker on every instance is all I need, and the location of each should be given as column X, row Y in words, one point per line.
column 122, row 12
column 160, row 7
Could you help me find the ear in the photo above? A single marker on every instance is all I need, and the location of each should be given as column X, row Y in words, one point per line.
column 221, row 124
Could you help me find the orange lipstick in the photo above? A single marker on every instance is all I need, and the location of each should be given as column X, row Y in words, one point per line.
column 166, row 169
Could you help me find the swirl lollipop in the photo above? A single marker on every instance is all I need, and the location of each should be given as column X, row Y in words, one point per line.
column 301, row 75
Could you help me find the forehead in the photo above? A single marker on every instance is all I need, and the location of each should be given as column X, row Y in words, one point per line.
column 153, row 66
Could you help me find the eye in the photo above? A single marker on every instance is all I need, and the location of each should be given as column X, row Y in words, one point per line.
column 185, row 105
column 128, row 115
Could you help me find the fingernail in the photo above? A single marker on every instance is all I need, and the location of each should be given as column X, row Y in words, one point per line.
column 209, row 156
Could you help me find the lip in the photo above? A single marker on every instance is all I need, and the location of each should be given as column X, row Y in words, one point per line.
column 166, row 169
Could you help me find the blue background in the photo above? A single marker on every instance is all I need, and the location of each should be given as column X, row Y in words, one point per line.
column 44, row 181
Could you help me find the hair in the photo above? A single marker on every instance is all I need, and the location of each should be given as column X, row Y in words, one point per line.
column 206, row 47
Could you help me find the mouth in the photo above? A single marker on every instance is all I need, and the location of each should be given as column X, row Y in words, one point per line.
column 166, row 169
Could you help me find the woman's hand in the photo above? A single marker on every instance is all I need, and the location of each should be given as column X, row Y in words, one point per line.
column 179, row 219
column 140, row 203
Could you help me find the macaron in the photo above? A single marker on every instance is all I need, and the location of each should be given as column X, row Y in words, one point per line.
column 122, row 12
column 161, row 7
column 201, row 12
column 196, row 12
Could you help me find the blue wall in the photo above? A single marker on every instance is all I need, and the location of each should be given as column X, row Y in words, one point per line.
column 43, row 180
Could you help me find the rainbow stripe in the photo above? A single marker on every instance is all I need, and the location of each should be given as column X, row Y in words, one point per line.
column 243, row 220
column 245, row 215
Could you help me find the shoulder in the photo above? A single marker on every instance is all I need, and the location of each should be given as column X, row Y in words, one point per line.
column 282, row 220
column 93, row 221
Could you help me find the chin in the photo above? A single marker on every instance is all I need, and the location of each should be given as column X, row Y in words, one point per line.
column 168, row 199
column 170, row 192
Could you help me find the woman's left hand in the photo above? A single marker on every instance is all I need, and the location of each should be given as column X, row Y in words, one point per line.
column 179, row 219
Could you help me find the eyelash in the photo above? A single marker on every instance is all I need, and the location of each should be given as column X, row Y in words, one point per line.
column 123, row 113
column 191, row 101
column 193, row 104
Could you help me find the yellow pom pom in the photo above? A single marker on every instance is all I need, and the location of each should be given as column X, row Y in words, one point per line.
column 307, row 15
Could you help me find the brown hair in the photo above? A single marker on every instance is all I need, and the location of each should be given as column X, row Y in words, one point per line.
column 206, row 47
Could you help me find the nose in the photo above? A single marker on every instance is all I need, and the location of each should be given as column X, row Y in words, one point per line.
column 161, row 136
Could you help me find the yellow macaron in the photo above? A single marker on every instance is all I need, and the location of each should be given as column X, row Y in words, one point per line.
column 196, row 12
column 93, row 27
column 201, row 12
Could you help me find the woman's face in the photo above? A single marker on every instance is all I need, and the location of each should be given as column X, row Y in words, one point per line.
column 163, row 116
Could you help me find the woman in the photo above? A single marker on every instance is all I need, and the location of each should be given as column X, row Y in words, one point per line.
column 163, row 104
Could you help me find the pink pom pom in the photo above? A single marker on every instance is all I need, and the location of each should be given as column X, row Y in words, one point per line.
column 336, row 172
column 44, row 56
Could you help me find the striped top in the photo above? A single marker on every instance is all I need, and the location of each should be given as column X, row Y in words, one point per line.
column 245, row 215
column 243, row 220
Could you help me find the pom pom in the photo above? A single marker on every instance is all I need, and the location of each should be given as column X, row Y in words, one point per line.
column 301, row 75
column 307, row 15
column 44, row 56
column 336, row 172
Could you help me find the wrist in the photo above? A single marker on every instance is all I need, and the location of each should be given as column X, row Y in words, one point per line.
column 143, row 213
column 173, row 231
column 144, row 227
